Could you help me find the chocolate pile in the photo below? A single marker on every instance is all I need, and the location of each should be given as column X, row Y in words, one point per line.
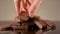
column 24, row 22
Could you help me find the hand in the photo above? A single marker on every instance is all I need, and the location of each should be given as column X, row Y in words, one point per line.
column 34, row 6
column 30, row 8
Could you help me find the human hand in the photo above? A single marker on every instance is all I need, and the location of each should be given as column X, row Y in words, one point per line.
column 29, row 6
column 34, row 6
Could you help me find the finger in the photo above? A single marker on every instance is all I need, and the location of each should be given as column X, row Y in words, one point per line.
column 29, row 2
column 34, row 5
column 24, row 5
column 17, row 5
column 19, row 12
column 31, row 14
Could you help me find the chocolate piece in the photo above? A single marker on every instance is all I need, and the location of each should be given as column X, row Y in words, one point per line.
column 38, row 21
column 33, row 28
column 50, row 24
column 23, row 16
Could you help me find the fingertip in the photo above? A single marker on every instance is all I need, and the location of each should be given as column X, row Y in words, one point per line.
column 30, row 15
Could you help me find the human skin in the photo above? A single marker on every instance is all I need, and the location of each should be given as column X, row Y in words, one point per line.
column 25, row 5
column 17, row 6
column 31, row 9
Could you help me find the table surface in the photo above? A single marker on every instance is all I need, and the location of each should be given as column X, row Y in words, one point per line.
column 56, row 31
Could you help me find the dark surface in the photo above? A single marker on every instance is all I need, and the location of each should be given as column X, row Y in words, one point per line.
column 56, row 31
